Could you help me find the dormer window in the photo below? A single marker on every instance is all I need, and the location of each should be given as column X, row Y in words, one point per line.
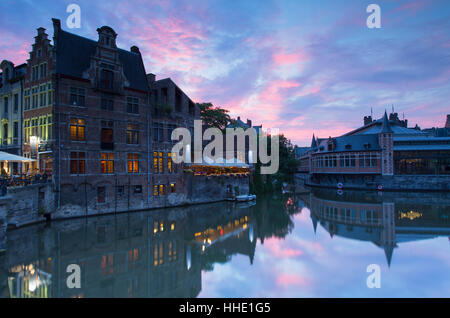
column 106, row 79
column 348, row 146
column 107, row 36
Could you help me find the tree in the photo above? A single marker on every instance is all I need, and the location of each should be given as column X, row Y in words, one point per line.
column 213, row 116
column 287, row 168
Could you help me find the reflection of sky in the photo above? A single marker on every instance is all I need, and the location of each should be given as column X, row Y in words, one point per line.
column 303, row 66
column 305, row 264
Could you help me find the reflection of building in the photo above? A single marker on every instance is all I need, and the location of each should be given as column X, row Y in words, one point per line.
column 151, row 254
column 372, row 154
column 385, row 221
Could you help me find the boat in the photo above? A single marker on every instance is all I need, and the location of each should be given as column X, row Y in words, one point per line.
column 246, row 197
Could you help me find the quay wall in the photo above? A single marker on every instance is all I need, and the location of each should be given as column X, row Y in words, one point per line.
column 83, row 200
column 388, row 183
column 26, row 205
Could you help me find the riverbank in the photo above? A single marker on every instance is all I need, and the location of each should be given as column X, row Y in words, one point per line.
column 37, row 203
column 420, row 183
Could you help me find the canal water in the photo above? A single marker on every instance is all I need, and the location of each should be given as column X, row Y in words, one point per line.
column 321, row 244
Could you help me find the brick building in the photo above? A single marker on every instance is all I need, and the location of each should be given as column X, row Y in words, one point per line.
column 171, row 108
column 99, row 126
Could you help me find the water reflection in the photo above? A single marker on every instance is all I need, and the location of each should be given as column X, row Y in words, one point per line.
column 386, row 219
column 152, row 254
column 165, row 253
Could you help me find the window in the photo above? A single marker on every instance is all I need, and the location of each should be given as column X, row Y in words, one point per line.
column 16, row 103
column 137, row 189
column 77, row 129
column 158, row 189
column 43, row 127
column 107, row 104
column 16, row 130
column 158, row 132
column 49, row 94
column 107, row 162
column 27, row 130
column 42, row 99
column 107, row 135
column 77, row 162
column 169, row 162
column 158, row 162
column 164, row 94
column 172, row 188
column 170, row 129
column 34, row 72
column 101, row 194
column 132, row 134
column 133, row 162
column 77, row 96
column 34, row 126
column 106, row 79
column 49, row 127
column 43, row 70
column 132, row 105
column 6, row 105
column 27, row 99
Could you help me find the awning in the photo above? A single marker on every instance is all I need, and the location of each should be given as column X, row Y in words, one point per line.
column 220, row 162
column 4, row 156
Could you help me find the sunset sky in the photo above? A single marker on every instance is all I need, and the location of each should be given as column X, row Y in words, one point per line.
column 301, row 66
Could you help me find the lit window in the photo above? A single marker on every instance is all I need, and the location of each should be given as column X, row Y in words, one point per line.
column 107, row 162
column 77, row 129
column 133, row 163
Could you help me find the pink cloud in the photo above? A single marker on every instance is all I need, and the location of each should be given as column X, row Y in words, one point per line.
column 291, row 279
column 275, row 248
column 283, row 58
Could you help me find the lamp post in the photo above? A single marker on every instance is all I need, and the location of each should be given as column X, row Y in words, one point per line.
column 34, row 154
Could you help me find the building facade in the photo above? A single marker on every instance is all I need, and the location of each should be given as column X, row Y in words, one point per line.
column 99, row 127
column 11, row 94
column 377, row 154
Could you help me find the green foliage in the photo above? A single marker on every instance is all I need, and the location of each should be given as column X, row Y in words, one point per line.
column 214, row 116
column 287, row 168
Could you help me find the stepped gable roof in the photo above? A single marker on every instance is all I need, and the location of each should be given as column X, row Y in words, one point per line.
column 74, row 54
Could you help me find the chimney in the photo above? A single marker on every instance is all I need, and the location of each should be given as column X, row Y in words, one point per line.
column 151, row 78
column 367, row 120
column 447, row 123
column 135, row 49
column 249, row 123
column 41, row 31
column 239, row 118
